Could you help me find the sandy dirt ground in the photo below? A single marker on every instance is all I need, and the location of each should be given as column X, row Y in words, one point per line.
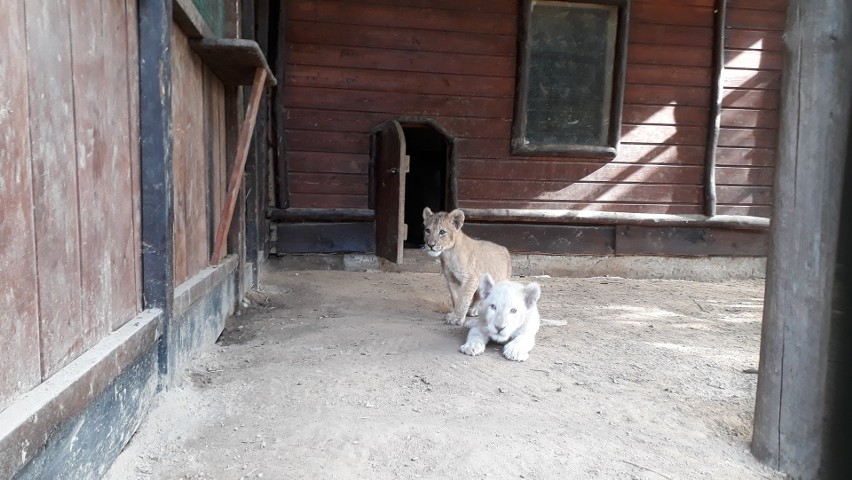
column 348, row 375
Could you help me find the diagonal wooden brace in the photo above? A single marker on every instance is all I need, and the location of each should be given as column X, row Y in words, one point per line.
column 236, row 178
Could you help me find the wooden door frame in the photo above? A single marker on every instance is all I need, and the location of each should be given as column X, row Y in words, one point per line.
column 451, row 181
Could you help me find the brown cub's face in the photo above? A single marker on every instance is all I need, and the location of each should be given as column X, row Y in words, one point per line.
column 439, row 230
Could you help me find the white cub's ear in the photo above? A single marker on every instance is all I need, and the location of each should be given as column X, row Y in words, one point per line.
column 457, row 217
column 532, row 292
column 427, row 212
column 486, row 283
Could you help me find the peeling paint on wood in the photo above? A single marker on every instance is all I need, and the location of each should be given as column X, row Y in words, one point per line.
column 55, row 186
column 18, row 287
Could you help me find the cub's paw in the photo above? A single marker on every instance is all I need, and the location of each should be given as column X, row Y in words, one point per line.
column 515, row 352
column 473, row 312
column 454, row 319
column 472, row 348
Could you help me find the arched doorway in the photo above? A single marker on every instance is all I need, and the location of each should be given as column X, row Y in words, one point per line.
column 413, row 167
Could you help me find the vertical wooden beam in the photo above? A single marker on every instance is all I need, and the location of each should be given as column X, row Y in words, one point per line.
column 262, row 14
column 713, row 124
column 55, row 188
column 19, row 303
column 251, row 19
column 234, row 116
column 155, row 133
column 236, row 177
column 279, row 49
column 790, row 413
column 837, row 461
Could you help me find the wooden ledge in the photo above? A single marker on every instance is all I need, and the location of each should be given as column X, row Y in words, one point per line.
column 320, row 215
column 586, row 217
column 233, row 60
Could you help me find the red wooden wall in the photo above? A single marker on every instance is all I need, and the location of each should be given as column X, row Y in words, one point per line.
column 353, row 64
column 752, row 80
column 199, row 161
column 69, row 196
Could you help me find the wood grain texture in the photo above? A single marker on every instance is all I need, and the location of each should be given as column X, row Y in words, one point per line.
column 79, row 99
column 233, row 60
column 104, row 170
column 51, row 101
column 216, row 162
column 360, row 13
column 180, row 120
column 94, row 169
column 19, row 302
column 391, row 166
column 132, row 16
column 413, row 39
column 352, row 65
column 190, row 179
column 326, row 237
column 750, row 98
column 681, row 241
column 238, row 167
column 546, row 239
column 793, row 394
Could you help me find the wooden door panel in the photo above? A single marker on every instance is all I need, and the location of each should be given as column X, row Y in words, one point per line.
column 391, row 165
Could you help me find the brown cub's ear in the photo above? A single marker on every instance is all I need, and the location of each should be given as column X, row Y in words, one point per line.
column 532, row 292
column 457, row 217
column 427, row 213
column 486, row 283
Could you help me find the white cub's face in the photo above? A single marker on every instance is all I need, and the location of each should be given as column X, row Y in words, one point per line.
column 505, row 308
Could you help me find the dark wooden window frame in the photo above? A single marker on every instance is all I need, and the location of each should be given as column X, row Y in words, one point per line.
column 519, row 146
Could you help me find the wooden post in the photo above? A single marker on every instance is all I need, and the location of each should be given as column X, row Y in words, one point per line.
column 239, row 165
column 714, row 122
column 279, row 115
column 790, row 413
column 155, row 136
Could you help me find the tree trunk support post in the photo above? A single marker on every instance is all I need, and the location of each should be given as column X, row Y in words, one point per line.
column 794, row 386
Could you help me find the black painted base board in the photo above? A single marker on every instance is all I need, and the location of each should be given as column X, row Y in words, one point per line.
column 359, row 237
column 86, row 445
column 334, row 237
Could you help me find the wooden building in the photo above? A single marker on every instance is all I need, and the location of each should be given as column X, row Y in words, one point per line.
column 611, row 127
column 129, row 229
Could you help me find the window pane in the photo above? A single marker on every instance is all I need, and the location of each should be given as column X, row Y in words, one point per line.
column 569, row 61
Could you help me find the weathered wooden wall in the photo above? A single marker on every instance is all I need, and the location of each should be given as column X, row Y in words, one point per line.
column 749, row 124
column 352, row 65
column 198, row 105
column 69, row 197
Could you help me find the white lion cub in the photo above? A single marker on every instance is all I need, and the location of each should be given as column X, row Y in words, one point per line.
column 508, row 313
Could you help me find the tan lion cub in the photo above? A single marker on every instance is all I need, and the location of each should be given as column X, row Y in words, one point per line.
column 510, row 316
column 463, row 260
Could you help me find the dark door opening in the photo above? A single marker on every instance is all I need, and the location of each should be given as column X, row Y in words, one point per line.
column 412, row 168
column 428, row 178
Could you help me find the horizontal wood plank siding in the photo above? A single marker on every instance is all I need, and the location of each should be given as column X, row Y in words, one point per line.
column 352, row 65
column 749, row 123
